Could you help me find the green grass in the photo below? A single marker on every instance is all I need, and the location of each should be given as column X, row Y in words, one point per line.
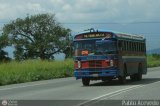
column 153, row 61
column 34, row 70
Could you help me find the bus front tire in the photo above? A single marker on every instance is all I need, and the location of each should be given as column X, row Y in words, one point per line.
column 122, row 79
column 85, row 81
column 133, row 77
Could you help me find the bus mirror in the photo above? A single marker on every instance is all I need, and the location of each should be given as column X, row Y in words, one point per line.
column 76, row 53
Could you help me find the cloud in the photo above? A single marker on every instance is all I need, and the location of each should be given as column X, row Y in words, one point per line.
column 84, row 10
column 106, row 10
column 88, row 11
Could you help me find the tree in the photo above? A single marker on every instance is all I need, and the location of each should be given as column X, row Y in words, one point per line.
column 3, row 43
column 68, row 51
column 37, row 36
column 156, row 56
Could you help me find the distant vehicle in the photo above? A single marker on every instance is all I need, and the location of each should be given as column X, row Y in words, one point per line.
column 107, row 55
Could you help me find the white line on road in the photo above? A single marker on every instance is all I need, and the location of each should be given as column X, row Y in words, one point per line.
column 111, row 94
column 21, row 87
column 129, row 88
column 24, row 86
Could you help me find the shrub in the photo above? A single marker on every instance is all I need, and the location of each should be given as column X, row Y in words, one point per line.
column 34, row 70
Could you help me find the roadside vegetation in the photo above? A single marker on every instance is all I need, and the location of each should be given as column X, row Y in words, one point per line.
column 153, row 60
column 35, row 39
column 34, row 70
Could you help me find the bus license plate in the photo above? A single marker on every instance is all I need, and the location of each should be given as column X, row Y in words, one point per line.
column 95, row 75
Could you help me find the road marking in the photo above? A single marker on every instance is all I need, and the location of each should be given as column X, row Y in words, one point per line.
column 115, row 92
column 40, row 83
column 27, row 85
column 21, row 87
column 129, row 88
column 111, row 94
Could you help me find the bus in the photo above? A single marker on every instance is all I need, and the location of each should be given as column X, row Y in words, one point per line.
column 108, row 55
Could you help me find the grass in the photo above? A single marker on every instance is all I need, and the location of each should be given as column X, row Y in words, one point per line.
column 153, row 61
column 34, row 70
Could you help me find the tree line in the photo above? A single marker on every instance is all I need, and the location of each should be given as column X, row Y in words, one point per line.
column 36, row 36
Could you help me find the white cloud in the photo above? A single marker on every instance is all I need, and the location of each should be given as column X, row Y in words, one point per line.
column 3, row 9
column 67, row 7
column 86, row 11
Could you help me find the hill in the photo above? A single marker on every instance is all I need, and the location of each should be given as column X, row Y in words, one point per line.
column 157, row 51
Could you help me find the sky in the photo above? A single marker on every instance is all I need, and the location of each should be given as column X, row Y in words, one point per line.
column 129, row 16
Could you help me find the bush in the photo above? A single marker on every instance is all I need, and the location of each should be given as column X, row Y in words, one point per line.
column 156, row 56
column 34, row 70
column 153, row 60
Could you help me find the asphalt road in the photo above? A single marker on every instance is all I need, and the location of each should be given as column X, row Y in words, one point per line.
column 71, row 90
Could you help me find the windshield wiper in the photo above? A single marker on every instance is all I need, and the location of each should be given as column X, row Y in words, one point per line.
column 110, row 51
column 103, row 53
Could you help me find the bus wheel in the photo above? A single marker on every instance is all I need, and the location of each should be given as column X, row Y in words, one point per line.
column 110, row 80
column 104, row 80
column 139, row 74
column 122, row 79
column 85, row 81
column 133, row 77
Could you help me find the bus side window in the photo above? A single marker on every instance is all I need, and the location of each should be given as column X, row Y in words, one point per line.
column 135, row 46
column 125, row 46
column 130, row 46
column 140, row 47
column 143, row 47
column 132, row 49
column 120, row 45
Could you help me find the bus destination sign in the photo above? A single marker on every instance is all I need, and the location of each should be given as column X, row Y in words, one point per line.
column 94, row 35
column 97, row 35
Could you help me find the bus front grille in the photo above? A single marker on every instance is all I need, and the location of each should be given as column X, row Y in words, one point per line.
column 95, row 64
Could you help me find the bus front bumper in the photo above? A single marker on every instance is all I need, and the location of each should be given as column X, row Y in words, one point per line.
column 99, row 73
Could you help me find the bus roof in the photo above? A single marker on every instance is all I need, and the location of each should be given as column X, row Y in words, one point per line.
column 118, row 35
column 130, row 36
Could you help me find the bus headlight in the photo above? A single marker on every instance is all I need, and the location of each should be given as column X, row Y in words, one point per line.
column 79, row 64
column 111, row 63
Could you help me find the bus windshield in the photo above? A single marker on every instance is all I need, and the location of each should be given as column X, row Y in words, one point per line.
column 105, row 47
column 85, row 45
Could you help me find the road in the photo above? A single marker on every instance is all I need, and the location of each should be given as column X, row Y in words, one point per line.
column 72, row 90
